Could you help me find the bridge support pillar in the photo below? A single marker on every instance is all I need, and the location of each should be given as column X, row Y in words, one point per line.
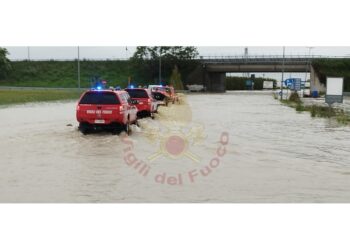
column 216, row 82
column 315, row 83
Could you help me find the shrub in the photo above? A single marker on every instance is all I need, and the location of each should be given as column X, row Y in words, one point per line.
column 300, row 107
column 294, row 97
column 317, row 111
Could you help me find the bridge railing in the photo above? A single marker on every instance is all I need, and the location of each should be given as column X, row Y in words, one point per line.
column 267, row 57
column 69, row 59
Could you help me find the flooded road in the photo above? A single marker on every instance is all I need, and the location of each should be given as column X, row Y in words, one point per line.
column 237, row 147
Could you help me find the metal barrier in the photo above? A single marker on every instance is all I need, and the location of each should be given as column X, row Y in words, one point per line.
column 262, row 59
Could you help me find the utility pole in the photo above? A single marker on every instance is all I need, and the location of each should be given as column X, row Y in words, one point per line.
column 245, row 60
column 160, row 65
column 28, row 53
column 78, row 67
column 282, row 72
column 128, row 60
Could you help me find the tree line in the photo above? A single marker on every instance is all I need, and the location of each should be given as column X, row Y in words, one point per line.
column 176, row 63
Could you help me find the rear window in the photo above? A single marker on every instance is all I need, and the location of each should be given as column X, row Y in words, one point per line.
column 137, row 93
column 161, row 89
column 99, row 98
column 124, row 97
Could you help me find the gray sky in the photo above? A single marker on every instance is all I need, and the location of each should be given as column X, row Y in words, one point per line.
column 100, row 52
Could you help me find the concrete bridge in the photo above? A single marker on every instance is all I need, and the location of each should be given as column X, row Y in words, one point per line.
column 212, row 70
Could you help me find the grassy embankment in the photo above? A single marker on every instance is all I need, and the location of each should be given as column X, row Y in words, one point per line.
column 8, row 97
column 63, row 74
column 317, row 111
column 57, row 74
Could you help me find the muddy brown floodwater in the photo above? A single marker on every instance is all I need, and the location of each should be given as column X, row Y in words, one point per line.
column 233, row 147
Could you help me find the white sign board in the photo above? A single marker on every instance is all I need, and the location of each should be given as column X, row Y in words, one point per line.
column 268, row 84
column 334, row 86
column 334, row 90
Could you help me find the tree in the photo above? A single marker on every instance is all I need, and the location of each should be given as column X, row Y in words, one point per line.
column 5, row 65
column 174, row 52
column 145, row 61
column 175, row 79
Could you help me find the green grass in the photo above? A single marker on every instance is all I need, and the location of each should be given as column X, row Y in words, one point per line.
column 318, row 111
column 289, row 103
column 343, row 117
column 8, row 97
column 300, row 107
column 64, row 73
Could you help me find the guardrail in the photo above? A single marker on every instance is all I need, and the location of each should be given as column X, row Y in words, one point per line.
column 203, row 58
column 70, row 59
column 270, row 57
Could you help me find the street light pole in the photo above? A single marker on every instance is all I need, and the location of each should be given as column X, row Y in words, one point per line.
column 78, row 67
column 160, row 69
column 282, row 72
column 160, row 65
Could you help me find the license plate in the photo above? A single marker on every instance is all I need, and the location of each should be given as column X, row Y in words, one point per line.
column 99, row 121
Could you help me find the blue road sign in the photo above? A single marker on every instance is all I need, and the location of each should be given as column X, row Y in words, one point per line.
column 293, row 83
column 288, row 82
column 297, row 84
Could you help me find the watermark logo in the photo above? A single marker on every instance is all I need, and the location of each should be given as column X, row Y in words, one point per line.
column 173, row 136
column 174, row 143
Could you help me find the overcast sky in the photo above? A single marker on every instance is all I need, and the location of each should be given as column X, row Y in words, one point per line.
column 41, row 52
